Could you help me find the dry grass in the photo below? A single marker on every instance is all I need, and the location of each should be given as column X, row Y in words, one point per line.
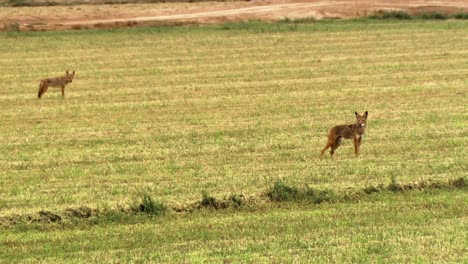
column 232, row 109
column 226, row 112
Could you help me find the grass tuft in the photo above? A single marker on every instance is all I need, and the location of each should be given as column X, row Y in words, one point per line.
column 394, row 186
column 257, row 26
column 80, row 212
column 392, row 14
column 433, row 16
column 151, row 207
column 209, row 201
column 298, row 20
column 283, row 193
column 371, row 189
column 458, row 183
column 461, row 16
column 237, row 200
column 319, row 196
column 46, row 217
column 280, row 192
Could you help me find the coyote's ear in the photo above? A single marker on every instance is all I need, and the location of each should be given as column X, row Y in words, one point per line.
column 365, row 114
column 356, row 113
column 73, row 73
column 67, row 72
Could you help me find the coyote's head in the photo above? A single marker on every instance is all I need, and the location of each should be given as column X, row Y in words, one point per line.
column 70, row 76
column 361, row 119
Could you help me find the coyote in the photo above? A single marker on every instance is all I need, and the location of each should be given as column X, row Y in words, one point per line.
column 352, row 131
column 61, row 82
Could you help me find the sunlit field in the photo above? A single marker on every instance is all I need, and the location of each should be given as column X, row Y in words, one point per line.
column 232, row 109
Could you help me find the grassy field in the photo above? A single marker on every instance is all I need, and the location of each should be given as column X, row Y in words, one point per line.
column 232, row 109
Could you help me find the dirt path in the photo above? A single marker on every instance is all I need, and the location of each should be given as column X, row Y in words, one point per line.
column 110, row 16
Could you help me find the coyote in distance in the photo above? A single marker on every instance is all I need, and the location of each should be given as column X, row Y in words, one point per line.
column 61, row 82
column 352, row 131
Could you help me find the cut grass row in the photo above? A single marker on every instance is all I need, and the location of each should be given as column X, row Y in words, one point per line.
column 413, row 227
column 278, row 193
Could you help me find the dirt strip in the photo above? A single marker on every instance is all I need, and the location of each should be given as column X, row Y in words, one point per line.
column 128, row 15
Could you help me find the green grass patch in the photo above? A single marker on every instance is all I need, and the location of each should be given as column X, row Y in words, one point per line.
column 149, row 206
column 403, row 15
column 281, row 192
column 182, row 110
column 393, row 14
column 461, row 16
column 210, row 202
column 434, row 16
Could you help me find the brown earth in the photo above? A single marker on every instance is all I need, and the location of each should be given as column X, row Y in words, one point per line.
column 125, row 15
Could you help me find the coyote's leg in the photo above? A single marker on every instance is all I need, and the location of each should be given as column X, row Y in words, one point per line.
column 330, row 142
column 63, row 90
column 42, row 89
column 335, row 145
column 357, row 143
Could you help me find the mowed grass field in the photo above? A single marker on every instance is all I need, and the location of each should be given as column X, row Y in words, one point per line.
column 232, row 109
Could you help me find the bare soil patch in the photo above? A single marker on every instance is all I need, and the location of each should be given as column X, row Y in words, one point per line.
column 129, row 15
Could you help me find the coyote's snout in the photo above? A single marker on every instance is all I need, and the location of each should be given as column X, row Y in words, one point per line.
column 353, row 131
column 61, row 82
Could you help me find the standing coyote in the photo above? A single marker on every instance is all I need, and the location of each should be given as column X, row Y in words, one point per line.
column 352, row 131
column 55, row 82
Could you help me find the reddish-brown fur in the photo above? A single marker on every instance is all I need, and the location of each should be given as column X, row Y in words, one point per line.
column 352, row 131
column 61, row 82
